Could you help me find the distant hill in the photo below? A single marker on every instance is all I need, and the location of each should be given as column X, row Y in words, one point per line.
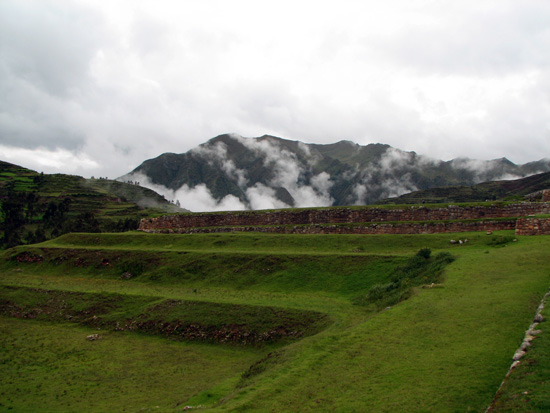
column 501, row 190
column 270, row 172
column 37, row 206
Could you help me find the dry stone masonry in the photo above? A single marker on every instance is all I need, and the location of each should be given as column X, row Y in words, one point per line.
column 533, row 226
column 363, row 220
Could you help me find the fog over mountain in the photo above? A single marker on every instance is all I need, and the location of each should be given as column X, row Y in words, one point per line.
column 230, row 172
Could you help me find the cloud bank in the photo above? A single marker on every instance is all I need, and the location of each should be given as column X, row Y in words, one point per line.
column 116, row 83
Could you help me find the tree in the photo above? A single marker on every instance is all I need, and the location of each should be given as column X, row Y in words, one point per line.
column 31, row 200
column 13, row 220
column 424, row 253
column 85, row 222
column 54, row 216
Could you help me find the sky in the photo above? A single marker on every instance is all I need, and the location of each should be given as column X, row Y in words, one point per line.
column 95, row 87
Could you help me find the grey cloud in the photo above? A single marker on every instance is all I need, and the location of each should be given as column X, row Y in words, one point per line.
column 71, row 77
column 474, row 40
column 150, row 35
column 45, row 52
column 49, row 43
column 30, row 118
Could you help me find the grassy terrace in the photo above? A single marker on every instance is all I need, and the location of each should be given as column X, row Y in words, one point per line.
column 443, row 349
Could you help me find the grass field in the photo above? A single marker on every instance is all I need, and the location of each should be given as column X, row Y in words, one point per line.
column 445, row 348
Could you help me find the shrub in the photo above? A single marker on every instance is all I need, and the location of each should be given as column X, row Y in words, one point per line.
column 500, row 240
column 424, row 253
column 419, row 269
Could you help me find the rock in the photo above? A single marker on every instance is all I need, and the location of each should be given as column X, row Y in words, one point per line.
column 515, row 364
column 518, row 355
column 489, row 232
column 539, row 318
column 93, row 337
column 453, row 241
column 126, row 276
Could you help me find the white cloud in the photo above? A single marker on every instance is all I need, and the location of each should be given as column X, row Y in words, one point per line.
column 199, row 198
column 288, row 174
column 49, row 161
column 195, row 199
column 263, row 197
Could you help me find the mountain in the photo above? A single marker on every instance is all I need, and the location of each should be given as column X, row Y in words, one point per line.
column 519, row 189
column 232, row 172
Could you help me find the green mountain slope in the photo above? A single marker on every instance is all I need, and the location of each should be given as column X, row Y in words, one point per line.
column 37, row 206
column 505, row 190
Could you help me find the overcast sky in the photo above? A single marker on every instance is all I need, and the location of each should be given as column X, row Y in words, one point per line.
column 95, row 87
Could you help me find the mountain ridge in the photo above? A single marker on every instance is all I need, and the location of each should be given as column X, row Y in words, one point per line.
column 233, row 172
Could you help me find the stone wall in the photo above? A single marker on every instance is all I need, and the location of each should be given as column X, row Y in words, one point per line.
column 331, row 220
column 380, row 228
column 533, row 226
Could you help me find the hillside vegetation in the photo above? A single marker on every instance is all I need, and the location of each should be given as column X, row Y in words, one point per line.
column 263, row 322
column 516, row 189
column 37, row 206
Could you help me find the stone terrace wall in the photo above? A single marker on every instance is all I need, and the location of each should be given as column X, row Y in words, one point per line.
column 533, row 226
column 310, row 217
column 388, row 228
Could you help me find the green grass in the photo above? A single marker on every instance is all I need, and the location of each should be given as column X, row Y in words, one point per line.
column 345, row 244
column 53, row 368
column 176, row 319
column 443, row 349
column 346, row 275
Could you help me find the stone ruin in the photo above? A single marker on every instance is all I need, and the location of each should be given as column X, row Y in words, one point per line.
column 363, row 220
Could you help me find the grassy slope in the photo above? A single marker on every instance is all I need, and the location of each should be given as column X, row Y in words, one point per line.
column 52, row 368
column 445, row 349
